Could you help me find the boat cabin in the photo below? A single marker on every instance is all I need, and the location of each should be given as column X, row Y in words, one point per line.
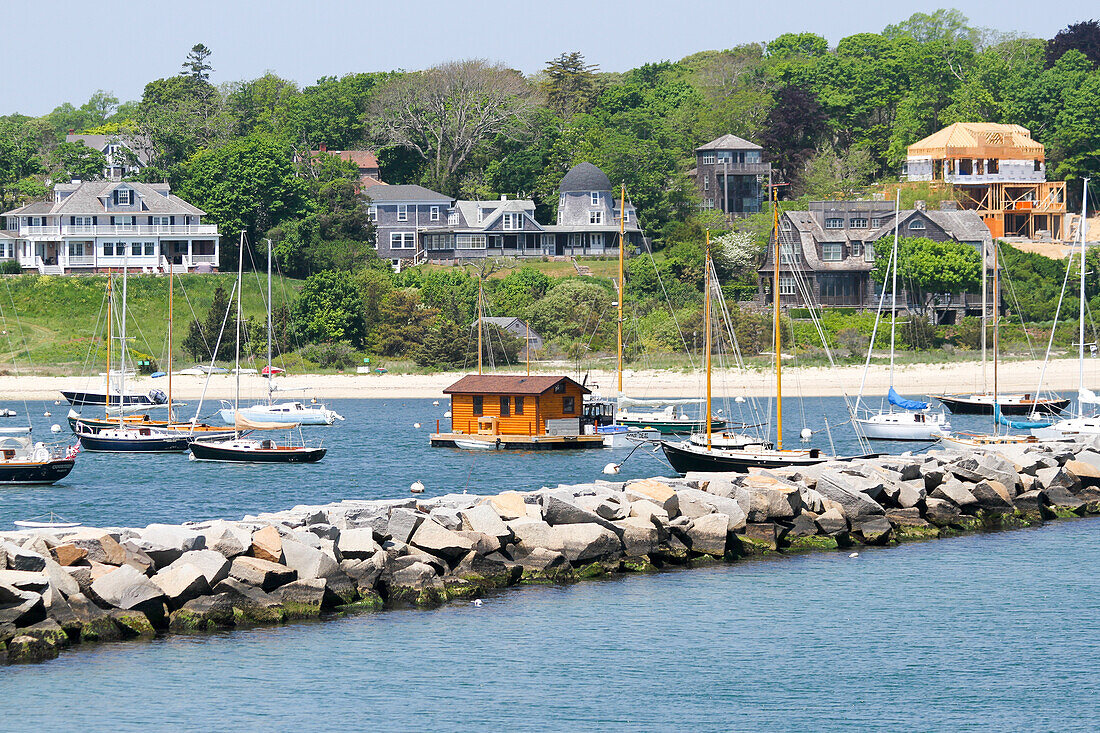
column 496, row 404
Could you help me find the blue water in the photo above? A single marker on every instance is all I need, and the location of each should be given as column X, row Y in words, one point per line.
column 376, row 453
column 990, row 632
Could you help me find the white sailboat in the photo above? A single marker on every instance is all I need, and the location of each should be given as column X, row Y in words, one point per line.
column 295, row 411
column 915, row 420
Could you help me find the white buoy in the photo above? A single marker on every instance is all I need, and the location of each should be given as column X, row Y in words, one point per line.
column 416, row 425
column 854, row 554
column 447, row 413
column 57, row 402
column 739, row 399
column 55, row 428
column 46, row 413
column 477, row 603
column 611, row 468
column 806, row 433
column 436, row 402
column 719, row 412
column 417, row 488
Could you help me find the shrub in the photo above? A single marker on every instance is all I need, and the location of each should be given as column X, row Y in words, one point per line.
column 10, row 267
column 330, row 355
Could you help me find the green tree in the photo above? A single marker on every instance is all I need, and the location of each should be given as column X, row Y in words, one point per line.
column 77, row 160
column 928, row 267
column 570, row 85
column 329, row 310
column 196, row 66
column 517, row 290
column 574, row 309
column 403, row 323
column 202, row 335
column 833, row 175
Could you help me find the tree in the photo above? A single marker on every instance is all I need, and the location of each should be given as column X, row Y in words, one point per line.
column 77, row 160
column 832, row 174
column 329, row 310
column 403, row 323
column 449, row 112
column 514, row 293
column 196, row 65
column 570, row 84
column 1083, row 37
column 574, row 309
column 445, row 346
column 18, row 158
column 792, row 130
column 930, row 267
column 202, row 335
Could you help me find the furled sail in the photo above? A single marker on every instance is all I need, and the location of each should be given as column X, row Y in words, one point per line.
column 243, row 423
column 899, row 401
column 1018, row 424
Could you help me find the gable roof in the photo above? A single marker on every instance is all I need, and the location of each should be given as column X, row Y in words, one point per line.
column 507, row 384
column 87, row 198
column 139, row 145
column 406, row 192
column 978, row 140
column 729, row 142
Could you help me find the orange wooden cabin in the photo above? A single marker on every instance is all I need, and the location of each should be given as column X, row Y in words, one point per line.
column 495, row 404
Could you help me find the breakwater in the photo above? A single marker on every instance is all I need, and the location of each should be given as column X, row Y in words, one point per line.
column 79, row 586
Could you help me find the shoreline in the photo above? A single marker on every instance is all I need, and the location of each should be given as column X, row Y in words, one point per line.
column 910, row 379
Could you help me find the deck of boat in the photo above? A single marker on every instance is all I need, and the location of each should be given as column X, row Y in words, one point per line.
column 522, row 442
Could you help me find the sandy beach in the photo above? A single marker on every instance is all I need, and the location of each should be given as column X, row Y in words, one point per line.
column 912, row 379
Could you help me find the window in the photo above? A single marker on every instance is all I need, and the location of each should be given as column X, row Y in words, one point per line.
column 832, row 251
column 786, row 285
column 568, row 404
column 470, row 241
column 858, row 222
column 76, row 249
column 706, row 183
column 869, row 252
column 505, row 406
column 1038, row 165
column 109, row 249
column 82, row 221
column 788, row 254
column 135, row 249
column 595, row 239
column 559, row 388
column 916, row 224
column 160, row 221
column 513, row 221
column 993, row 165
column 438, row 241
column 876, row 222
column 595, row 217
column 402, row 212
column 402, row 240
column 479, row 407
column 708, row 158
column 836, row 286
column 519, row 405
column 708, row 203
column 752, row 156
column 856, row 246
column 452, row 217
column 595, row 198
column 786, row 225
column 627, row 216
column 122, row 197
column 372, row 212
column 433, row 213
column 150, row 249
column 561, row 200
column 834, row 223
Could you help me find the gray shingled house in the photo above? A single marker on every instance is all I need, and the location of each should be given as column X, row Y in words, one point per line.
column 102, row 225
column 731, row 175
column 588, row 215
column 402, row 215
column 832, row 247
column 125, row 155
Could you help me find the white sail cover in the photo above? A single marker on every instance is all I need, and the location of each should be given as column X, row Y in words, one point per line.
column 243, row 423
column 625, row 401
column 1088, row 396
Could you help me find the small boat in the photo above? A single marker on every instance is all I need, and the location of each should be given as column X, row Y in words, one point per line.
column 153, row 397
column 23, row 461
column 728, row 440
column 670, row 419
column 5, row 412
column 624, row 436
column 195, row 429
column 976, row 441
column 297, row 412
column 920, row 425
column 131, row 440
column 686, row 456
column 478, row 444
column 1021, row 404
column 53, row 521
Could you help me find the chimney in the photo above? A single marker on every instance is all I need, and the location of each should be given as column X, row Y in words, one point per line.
column 504, row 197
column 919, row 205
column 324, row 148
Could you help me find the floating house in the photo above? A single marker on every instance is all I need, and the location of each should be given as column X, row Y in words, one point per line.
column 527, row 412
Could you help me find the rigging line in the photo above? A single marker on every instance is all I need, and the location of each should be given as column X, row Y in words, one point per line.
column 727, row 320
column 217, row 345
column 1054, row 326
column 11, row 348
column 1016, row 302
column 874, row 334
column 668, row 301
column 90, row 353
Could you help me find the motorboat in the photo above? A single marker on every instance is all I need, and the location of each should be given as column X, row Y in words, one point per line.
column 1018, row 404
column 25, row 461
column 920, row 425
column 478, row 444
column 296, row 412
column 152, row 397
column 124, row 439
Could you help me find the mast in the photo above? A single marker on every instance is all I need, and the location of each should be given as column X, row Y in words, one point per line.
column 122, row 351
column 778, row 344
column 110, row 339
column 622, row 229
column 1081, row 326
column 706, row 328
column 269, row 322
column 894, row 287
column 985, row 312
column 237, row 354
column 528, row 349
column 479, row 296
column 171, row 270
column 996, row 326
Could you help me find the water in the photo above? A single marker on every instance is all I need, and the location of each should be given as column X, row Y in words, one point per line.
column 377, row 453
column 990, row 632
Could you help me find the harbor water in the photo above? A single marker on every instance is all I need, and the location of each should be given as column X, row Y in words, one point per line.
column 997, row 631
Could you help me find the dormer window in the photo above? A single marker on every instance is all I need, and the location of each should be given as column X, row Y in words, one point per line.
column 626, row 216
column 834, row 223
column 916, row 224
column 595, row 198
column 123, row 196
column 595, row 217
column 480, row 214
column 561, row 200
column 402, row 212
column 513, row 221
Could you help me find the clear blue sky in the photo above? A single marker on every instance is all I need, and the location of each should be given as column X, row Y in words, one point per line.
column 59, row 51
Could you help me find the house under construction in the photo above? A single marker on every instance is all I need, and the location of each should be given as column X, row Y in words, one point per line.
column 997, row 171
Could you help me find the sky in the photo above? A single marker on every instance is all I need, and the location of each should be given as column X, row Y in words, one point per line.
column 63, row 51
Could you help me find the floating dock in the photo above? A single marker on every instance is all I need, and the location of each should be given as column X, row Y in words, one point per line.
column 520, row 442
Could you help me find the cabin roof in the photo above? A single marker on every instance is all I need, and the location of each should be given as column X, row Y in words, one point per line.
column 501, row 384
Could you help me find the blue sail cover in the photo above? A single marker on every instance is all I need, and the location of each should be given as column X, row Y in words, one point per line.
column 899, row 401
column 1018, row 424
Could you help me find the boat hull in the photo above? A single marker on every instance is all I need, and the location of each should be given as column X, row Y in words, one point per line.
column 973, row 406
column 95, row 425
column 903, row 429
column 96, row 443
column 99, row 398
column 48, row 472
column 302, row 417
column 684, row 460
column 670, row 427
column 202, row 451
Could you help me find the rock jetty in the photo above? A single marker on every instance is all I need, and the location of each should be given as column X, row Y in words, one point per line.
column 64, row 588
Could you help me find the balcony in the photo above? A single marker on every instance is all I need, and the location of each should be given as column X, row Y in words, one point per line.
column 141, row 230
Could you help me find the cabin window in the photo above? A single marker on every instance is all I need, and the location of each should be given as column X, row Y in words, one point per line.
column 122, row 197
column 505, row 406
column 568, row 404
column 479, row 406
column 519, row 405
column 858, row 222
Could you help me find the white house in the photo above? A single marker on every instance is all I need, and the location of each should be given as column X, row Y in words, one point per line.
column 105, row 225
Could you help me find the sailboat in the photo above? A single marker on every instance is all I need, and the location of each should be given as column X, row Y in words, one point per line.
column 124, row 438
column 252, row 450
column 994, row 441
column 690, row 455
column 276, row 412
column 915, row 420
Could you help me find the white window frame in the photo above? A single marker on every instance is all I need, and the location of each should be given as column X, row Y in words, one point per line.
column 626, row 216
column 595, row 198
column 789, row 253
column 834, row 222
column 595, row 217
column 785, row 224
column 876, row 222
column 372, row 213
column 107, row 253
column 150, row 249
column 855, row 246
column 706, row 183
column 125, row 197
column 858, row 222
column 402, row 212
column 832, row 251
column 787, row 285
column 513, row 221
column 480, row 215
column 433, row 213
column 402, row 240
column 471, row 241
column 868, row 252
column 917, row 225
column 708, row 158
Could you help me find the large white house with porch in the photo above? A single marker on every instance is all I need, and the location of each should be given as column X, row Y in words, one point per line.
column 106, row 225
